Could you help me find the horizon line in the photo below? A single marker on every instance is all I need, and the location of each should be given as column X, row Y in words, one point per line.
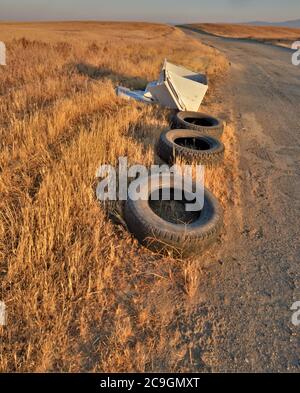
column 140, row 21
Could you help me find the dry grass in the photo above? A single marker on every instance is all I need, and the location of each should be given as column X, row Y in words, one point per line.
column 283, row 36
column 82, row 295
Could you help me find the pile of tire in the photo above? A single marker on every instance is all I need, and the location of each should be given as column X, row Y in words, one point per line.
column 195, row 138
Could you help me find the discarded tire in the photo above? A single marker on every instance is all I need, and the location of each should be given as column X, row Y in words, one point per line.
column 200, row 122
column 190, row 146
column 159, row 233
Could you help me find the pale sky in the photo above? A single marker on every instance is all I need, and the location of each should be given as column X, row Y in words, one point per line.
column 171, row 11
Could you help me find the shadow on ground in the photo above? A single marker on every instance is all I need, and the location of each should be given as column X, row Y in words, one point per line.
column 99, row 73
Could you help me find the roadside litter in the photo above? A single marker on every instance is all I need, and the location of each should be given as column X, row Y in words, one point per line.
column 196, row 139
column 190, row 145
column 159, row 234
column 201, row 122
column 138, row 95
column 176, row 88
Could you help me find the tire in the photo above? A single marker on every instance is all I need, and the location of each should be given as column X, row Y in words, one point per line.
column 190, row 146
column 202, row 122
column 159, row 234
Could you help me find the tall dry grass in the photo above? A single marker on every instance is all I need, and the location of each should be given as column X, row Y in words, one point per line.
column 81, row 294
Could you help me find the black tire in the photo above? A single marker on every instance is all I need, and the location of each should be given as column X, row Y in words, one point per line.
column 201, row 122
column 161, row 235
column 190, row 146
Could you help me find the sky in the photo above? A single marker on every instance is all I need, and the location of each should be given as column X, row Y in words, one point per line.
column 170, row 11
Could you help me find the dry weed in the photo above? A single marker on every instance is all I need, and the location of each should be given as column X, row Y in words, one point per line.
column 81, row 294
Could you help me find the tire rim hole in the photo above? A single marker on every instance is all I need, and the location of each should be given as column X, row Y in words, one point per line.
column 203, row 122
column 172, row 210
column 193, row 143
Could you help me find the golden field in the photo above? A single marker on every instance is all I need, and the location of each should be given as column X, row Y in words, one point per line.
column 282, row 36
column 81, row 293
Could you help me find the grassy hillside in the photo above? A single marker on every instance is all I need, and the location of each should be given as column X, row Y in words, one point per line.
column 283, row 36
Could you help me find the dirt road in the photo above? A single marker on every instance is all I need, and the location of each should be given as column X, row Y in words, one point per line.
column 248, row 295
